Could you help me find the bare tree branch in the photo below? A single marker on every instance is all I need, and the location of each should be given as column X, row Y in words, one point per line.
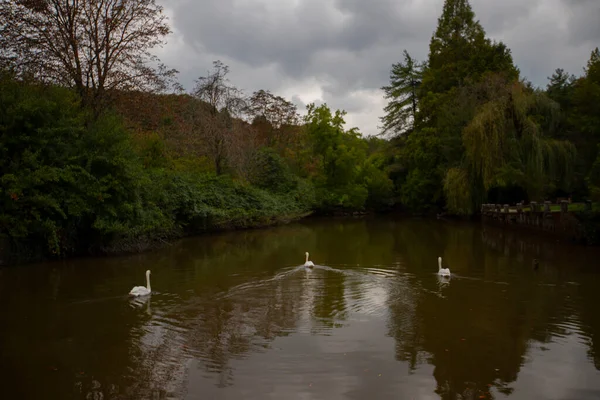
column 94, row 46
column 218, row 127
column 216, row 91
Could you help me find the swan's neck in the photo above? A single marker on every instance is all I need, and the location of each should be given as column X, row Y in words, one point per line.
column 148, row 282
column 439, row 264
column 306, row 257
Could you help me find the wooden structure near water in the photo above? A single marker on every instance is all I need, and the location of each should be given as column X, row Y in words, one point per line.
column 552, row 218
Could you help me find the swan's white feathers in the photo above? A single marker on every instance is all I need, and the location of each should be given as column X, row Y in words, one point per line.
column 307, row 263
column 139, row 291
column 442, row 271
column 142, row 290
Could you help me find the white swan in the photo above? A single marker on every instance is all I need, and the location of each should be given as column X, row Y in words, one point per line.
column 442, row 271
column 308, row 264
column 141, row 290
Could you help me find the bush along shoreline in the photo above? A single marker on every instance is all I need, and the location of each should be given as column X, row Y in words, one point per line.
column 71, row 185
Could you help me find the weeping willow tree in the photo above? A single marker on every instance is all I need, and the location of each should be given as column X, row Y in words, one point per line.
column 508, row 142
column 457, row 188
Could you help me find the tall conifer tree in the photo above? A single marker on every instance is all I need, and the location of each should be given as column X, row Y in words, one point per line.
column 401, row 110
column 459, row 53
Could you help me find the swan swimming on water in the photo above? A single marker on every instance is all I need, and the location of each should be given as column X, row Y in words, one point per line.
column 141, row 290
column 308, row 264
column 442, row 271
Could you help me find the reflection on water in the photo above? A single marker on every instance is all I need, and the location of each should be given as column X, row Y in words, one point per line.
column 236, row 315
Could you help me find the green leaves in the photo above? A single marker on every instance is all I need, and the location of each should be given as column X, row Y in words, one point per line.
column 59, row 176
column 479, row 130
column 457, row 188
column 459, row 53
column 422, row 188
column 67, row 187
column 401, row 93
column 271, row 172
column 347, row 180
column 593, row 178
column 506, row 145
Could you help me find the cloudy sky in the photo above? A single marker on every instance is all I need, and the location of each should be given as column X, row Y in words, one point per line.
column 340, row 51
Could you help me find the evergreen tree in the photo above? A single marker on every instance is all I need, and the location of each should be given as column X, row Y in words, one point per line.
column 459, row 53
column 450, row 47
column 560, row 88
column 585, row 119
column 401, row 110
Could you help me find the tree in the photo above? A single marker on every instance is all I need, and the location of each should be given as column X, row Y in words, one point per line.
column 505, row 146
column 421, row 166
column 215, row 89
column 459, row 53
column 592, row 69
column 341, row 154
column 225, row 102
column 559, row 88
column 271, row 172
column 586, row 104
column 460, row 56
column 583, row 121
column 277, row 110
column 94, row 46
column 457, row 32
column 593, row 179
column 401, row 110
column 273, row 116
column 67, row 186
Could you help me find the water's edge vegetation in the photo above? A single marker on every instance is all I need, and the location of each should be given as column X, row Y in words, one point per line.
column 117, row 166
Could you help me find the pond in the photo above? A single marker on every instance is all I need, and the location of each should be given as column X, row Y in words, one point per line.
column 235, row 315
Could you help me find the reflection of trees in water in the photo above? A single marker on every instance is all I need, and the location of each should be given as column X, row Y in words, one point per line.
column 250, row 316
column 404, row 324
column 233, row 307
column 213, row 331
column 566, row 290
column 234, row 299
column 352, row 241
column 485, row 345
column 78, row 349
column 330, row 302
column 149, row 358
column 472, row 350
column 245, row 321
column 590, row 317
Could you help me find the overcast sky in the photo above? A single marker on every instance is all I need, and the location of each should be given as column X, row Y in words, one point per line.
column 340, row 51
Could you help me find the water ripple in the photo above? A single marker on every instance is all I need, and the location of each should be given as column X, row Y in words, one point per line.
column 231, row 318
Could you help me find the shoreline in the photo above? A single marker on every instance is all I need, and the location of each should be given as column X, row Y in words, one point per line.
column 143, row 244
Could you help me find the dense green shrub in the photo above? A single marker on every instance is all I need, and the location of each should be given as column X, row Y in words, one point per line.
column 198, row 203
column 380, row 187
column 271, row 172
column 64, row 183
column 40, row 200
column 68, row 186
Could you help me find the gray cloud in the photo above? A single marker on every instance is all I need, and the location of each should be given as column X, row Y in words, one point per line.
column 502, row 16
column 340, row 51
column 584, row 21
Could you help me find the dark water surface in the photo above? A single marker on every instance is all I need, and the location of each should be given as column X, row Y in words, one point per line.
column 236, row 316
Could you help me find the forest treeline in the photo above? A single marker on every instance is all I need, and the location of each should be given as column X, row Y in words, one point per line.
column 101, row 150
